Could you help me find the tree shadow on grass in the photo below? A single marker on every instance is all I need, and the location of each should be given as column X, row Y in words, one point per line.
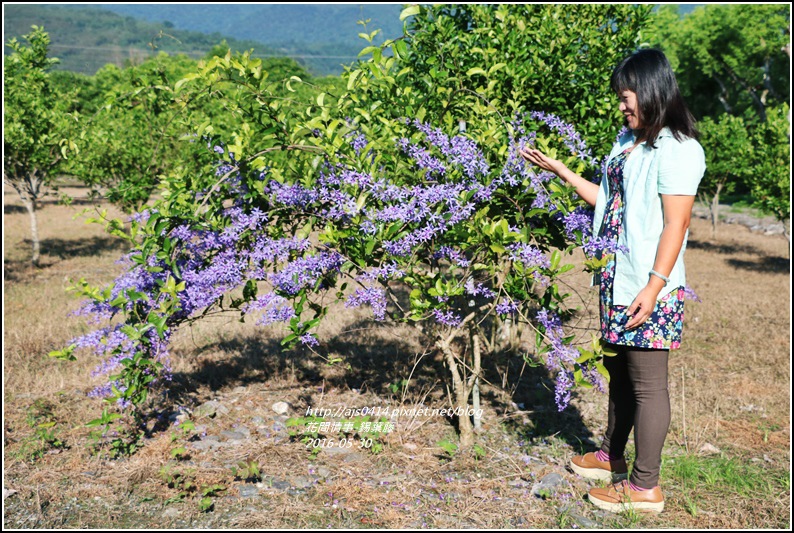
column 767, row 264
column 53, row 251
column 13, row 209
column 84, row 247
column 376, row 359
column 764, row 263
column 534, row 415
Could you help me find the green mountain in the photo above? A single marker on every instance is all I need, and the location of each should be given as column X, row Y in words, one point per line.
column 273, row 24
column 320, row 37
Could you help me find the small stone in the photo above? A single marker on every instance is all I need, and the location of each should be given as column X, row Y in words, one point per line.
column 172, row 512
column 258, row 421
column 547, row 485
column 353, row 457
column 709, row 449
column 582, row 521
column 247, row 491
column 281, row 485
column 323, row 471
column 336, row 450
column 207, row 443
column 210, row 409
column 302, row 482
column 281, row 408
column 394, row 478
column 233, row 435
column 8, row 492
column 178, row 417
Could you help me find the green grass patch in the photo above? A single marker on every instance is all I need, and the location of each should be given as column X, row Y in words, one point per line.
column 704, row 478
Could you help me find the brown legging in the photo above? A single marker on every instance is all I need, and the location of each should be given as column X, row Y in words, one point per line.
column 638, row 397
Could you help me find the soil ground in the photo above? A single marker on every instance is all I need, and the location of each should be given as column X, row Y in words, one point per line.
column 727, row 459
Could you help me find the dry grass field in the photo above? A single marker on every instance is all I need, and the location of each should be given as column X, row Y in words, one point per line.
column 727, row 459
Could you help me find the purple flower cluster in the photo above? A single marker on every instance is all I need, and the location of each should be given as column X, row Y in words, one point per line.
column 358, row 142
column 424, row 160
column 458, row 150
column 560, row 357
column 479, row 290
column 386, row 272
column 453, row 255
column 562, row 389
column 530, row 256
column 373, row 296
column 447, row 318
column 571, row 138
column 276, row 309
column 597, row 246
column 508, row 307
column 690, row 294
column 306, row 271
column 581, row 220
column 308, row 339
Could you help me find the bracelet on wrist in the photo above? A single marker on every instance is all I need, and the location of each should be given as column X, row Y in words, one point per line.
column 655, row 273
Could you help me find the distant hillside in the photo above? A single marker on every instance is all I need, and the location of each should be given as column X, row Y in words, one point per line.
column 87, row 39
column 273, row 24
column 320, row 37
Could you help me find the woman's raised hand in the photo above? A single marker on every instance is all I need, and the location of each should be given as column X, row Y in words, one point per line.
column 587, row 190
column 536, row 157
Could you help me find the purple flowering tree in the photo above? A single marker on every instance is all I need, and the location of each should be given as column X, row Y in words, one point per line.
column 363, row 207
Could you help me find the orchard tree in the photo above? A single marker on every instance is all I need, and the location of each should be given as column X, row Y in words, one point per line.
column 728, row 57
column 726, row 144
column 37, row 125
column 521, row 57
column 770, row 166
column 132, row 138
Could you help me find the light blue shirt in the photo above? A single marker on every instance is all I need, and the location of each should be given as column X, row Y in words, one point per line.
column 673, row 167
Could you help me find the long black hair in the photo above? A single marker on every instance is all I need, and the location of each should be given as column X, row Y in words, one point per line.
column 647, row 73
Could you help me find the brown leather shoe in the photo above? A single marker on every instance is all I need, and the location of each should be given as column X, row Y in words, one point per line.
column 620, row 497
column 589, row 466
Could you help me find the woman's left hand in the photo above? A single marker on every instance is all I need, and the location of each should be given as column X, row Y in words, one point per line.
column 642, row 307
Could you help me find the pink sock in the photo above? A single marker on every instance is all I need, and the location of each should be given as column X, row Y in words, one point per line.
column 635, row 487
column 602, row 456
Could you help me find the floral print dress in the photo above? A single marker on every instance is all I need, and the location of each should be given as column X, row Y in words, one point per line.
column 663, row 328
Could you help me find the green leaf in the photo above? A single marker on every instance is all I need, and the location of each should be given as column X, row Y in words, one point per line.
column 65, row 354
column 409, row 12
column 555, row 259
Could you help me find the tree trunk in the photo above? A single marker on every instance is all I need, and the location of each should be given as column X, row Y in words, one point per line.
column 715, row 207
column 475, row 381
column 760, row 107
column 30, row 205
column 723, row 96
column 461, row 393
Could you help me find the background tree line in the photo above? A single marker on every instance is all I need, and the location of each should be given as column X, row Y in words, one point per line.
column 124, row 130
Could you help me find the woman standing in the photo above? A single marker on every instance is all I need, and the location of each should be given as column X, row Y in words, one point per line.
column 644, row 203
